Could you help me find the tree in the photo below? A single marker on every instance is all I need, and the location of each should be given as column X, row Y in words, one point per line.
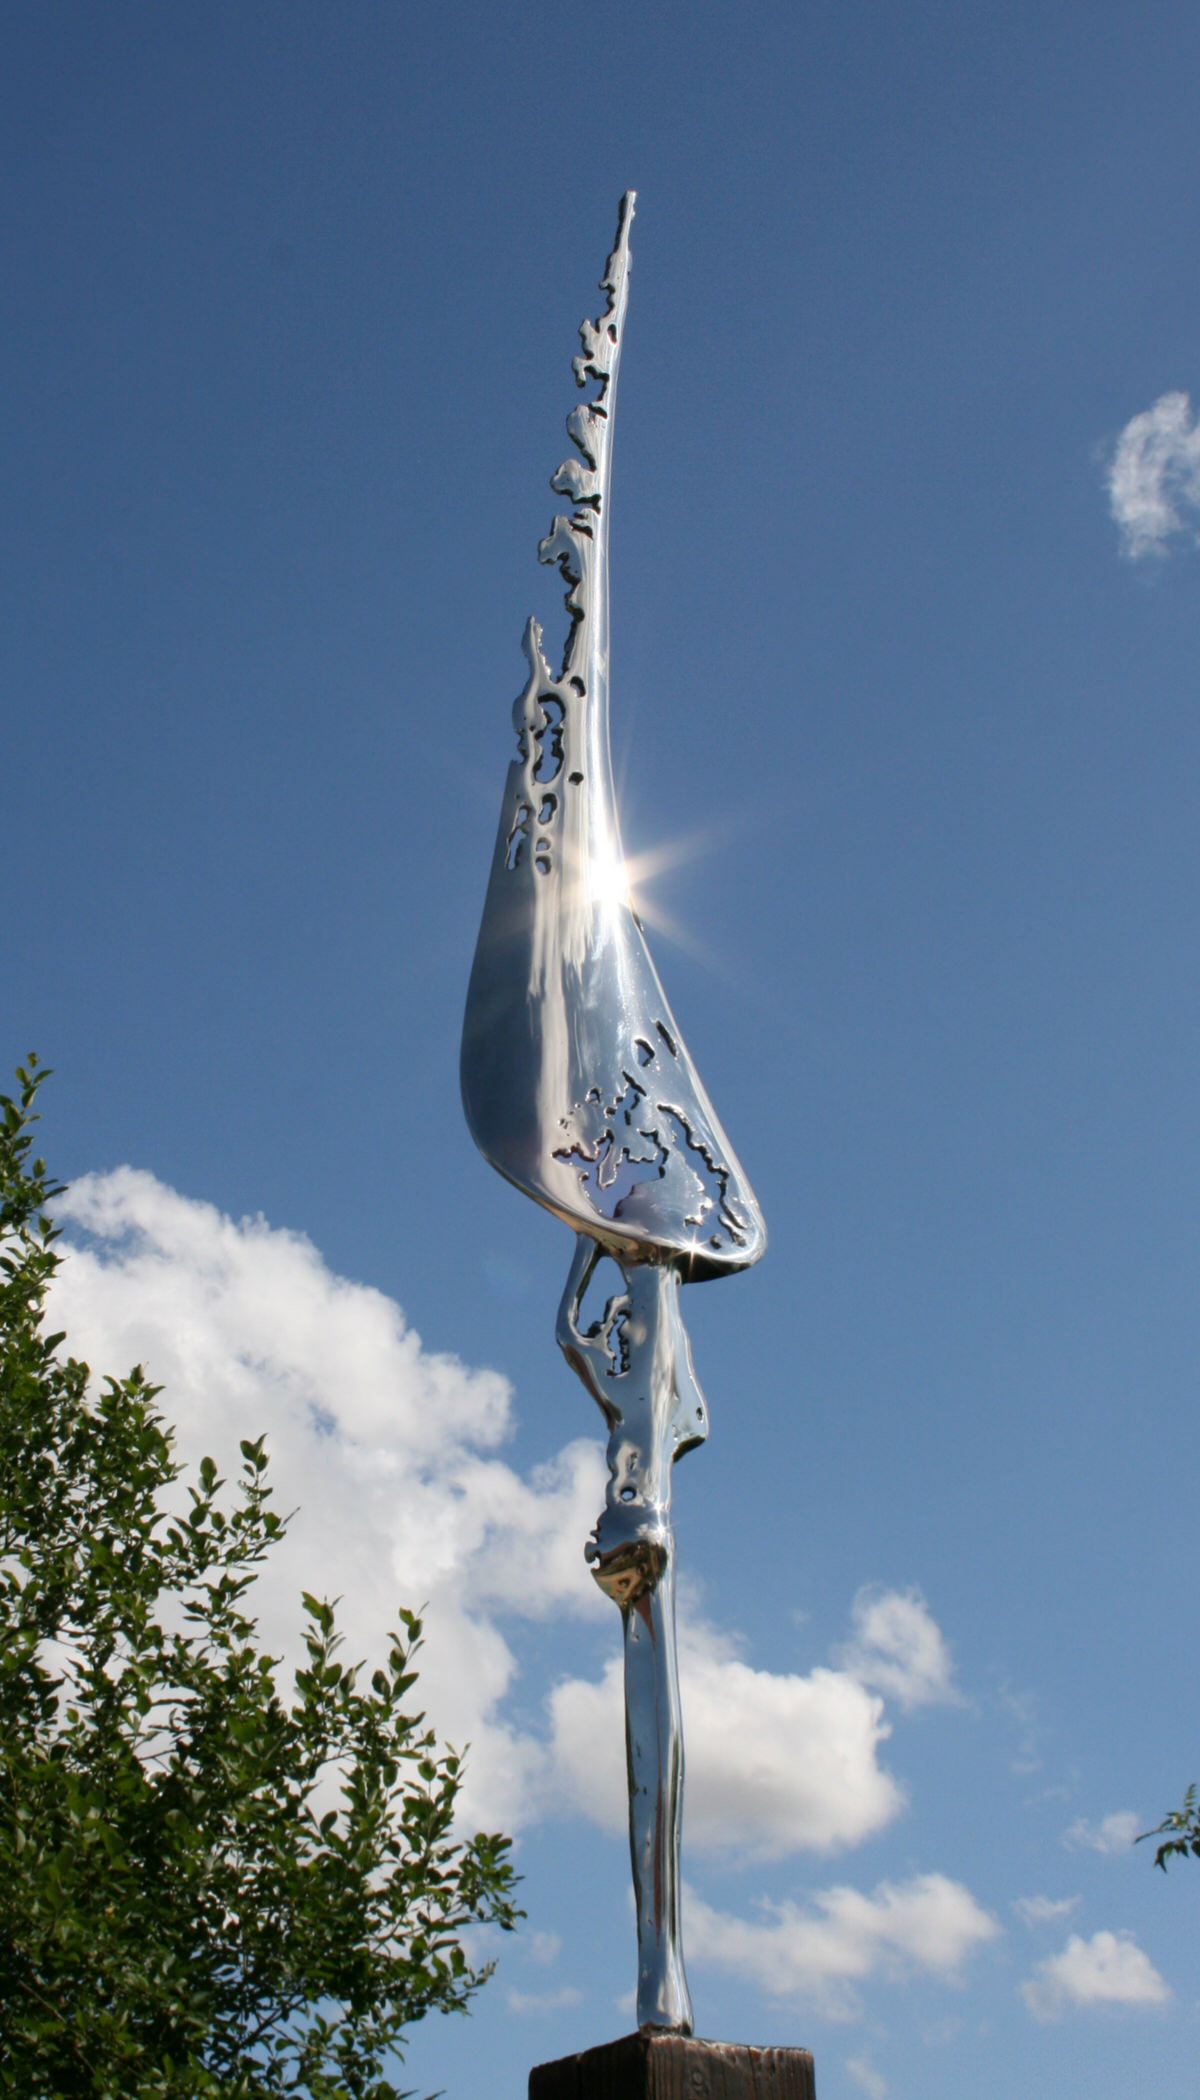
column 205, row 1888
column 1183, row 1826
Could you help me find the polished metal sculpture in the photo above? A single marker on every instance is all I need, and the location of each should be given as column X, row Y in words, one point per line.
column 578, row 1087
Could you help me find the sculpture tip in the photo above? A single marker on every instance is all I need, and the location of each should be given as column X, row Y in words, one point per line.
column 618, row 261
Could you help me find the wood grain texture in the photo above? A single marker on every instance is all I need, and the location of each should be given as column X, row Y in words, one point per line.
column 649, row 2066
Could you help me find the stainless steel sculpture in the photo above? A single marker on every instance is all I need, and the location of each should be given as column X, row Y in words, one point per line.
column 578, row 1087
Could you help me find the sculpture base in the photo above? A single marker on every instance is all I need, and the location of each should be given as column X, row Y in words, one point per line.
column 652, row 2066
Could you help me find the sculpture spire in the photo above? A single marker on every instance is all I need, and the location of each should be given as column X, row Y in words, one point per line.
column 578, row 1087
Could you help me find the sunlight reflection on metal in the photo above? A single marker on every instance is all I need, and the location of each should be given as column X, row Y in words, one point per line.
column 578, row 1087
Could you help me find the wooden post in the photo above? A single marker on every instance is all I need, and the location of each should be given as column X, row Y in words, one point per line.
column 652, row 2066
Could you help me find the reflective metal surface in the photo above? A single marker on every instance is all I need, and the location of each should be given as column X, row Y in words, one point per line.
column 635, row 1360
column 576, row 1081
column 578, row 1087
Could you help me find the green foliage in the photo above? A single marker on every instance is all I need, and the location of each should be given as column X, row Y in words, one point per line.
column 1184, row 1827
column 182, row 1910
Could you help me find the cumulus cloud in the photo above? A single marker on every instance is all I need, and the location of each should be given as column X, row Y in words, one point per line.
column 898, row 1648
column 819, row 1951
column 394, row 1457
column 1044, row 1910
column 389, row 1450
column 1154, row 477
column 1115, row 1833
column 1108, row 1969
column 775, row 1763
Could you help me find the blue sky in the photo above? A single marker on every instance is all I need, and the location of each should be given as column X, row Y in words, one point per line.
column 905, row 612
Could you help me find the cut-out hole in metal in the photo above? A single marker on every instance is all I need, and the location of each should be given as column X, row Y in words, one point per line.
column 518, row 835
column 602, row 1313
column 549, row 740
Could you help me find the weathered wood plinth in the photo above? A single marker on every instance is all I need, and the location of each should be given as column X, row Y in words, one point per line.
column 648, row 2066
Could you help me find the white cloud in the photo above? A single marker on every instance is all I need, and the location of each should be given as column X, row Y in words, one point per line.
column 864, row 2074
column 1020, row 1711
column 389, row 1451
column 1044, row 1910
column 842, row 1937
column 1154, row 476
column 1116, row 1833
column 1108, row 1969
column 775, row 1764
column 542, row 2002
column 898, row 1648
column 542, row 1947
column 392, row 1455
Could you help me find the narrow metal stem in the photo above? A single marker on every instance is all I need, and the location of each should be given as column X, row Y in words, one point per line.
column 636, row 1363
column 654, row 1750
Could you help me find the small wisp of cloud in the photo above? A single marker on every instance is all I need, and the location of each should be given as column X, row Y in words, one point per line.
column 1044, row 1910
column 1112, row 1835
column 537, row 2004
column 542, row 1947
column 864, row 2074
column 1153, row 478
column 1019, row 1709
